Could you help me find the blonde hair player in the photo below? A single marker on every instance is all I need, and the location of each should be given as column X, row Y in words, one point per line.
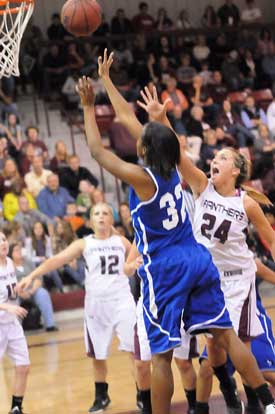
column 179, row 278
column 12, row 338
column 109, row 305
column 221, row 217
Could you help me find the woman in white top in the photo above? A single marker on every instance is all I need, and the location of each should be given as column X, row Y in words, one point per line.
column 109, row 304
column 223, row 210
column 12, row 338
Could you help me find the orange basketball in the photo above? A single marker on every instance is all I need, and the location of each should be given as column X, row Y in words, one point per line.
column 81, row 17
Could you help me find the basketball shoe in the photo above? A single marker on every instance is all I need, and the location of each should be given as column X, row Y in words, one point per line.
column 233, row 403
column 16, row 410
column 100, row 404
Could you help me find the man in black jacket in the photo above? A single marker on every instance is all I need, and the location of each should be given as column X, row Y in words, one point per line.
column 71, row 176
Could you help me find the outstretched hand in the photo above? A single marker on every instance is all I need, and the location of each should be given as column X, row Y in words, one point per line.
column 24, row 285
column 151, row 104
column 105, row 64
column 85, row 90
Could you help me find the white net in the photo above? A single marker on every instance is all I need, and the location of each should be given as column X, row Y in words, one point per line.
column 14, row 17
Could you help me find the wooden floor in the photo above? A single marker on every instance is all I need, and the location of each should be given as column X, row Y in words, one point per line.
column 61, row 379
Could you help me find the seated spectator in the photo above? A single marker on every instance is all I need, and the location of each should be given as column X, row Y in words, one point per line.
column 71, row 176
column 15, row 130
column 264, row 151
column 83, row 200
column 56, row 31
column 32, row 135
column 72, row 216
column 209, row 149
column 229, row 14
column 27, row 216
column 89, row 55
column 122, row 80
column 9, row 174
column 7, row 104
column 183, row 20
column 252, row 116
column 55, row 70
column 176, row 96
column 196, row 125
column 205, row 73
column 218, row 89
column 148, row 72
column 201, row 51
column 251, row 13
column 266, row 44
column 185, row 72
column 3, row 152
column 140, row 51
column 69, row 96
column 26, row 158
column 177, row 122
column 14, row 232
column 268, row 67
column 11, row 199
column 199, row 95
column 39, row 248
column 36, row 179
column 230, row 121
column 231, row 72
column 246, row 40
column 53, row 199
column 248, row 68
column 120, row 24
column 37, row 293
column 123, row 54
column 164, row 48
column 74, row 60
column 143, row 21
column 271, row 116
column 61, row 238
column 126, row 220
column 209, row 18
column 163, row 22
column 60, row 158
column 164, row 70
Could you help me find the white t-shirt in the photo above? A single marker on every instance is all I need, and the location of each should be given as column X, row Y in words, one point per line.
column 105, row 278
column 250, row 15
column 220, row 224
column 7, row 295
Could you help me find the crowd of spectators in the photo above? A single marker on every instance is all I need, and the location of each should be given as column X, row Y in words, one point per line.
column 46, row 198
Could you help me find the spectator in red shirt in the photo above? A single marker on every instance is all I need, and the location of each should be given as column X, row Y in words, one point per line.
column 177, row 98
column 143, row 22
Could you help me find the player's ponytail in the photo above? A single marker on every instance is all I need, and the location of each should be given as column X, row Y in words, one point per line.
column 242, row 163
column 161, row 149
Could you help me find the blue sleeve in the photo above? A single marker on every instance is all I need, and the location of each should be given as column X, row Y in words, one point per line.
column 42, row 203
column 246, row 120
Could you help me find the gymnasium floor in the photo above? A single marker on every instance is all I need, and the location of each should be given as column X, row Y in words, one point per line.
column 61, row 380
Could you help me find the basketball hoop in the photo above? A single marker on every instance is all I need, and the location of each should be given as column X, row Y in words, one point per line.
column 14, row 17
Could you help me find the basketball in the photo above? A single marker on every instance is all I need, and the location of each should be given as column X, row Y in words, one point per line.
column 81, row 17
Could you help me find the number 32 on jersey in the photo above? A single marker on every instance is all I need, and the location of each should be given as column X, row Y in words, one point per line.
column 168, row 201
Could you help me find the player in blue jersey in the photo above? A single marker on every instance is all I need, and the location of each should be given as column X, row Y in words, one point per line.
column 179, row 279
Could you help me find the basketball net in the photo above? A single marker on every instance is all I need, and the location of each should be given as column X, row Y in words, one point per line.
column 14, row 17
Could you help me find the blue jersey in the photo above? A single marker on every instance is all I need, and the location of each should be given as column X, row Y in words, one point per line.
column 180, row 284
column 162, row 222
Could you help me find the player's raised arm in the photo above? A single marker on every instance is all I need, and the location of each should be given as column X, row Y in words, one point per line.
column 122, row 108
column 127, row 172
column 196, row 178
column 73, row 251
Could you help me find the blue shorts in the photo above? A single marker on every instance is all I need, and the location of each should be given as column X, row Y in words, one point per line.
column 262, row 347
column 181, row 287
